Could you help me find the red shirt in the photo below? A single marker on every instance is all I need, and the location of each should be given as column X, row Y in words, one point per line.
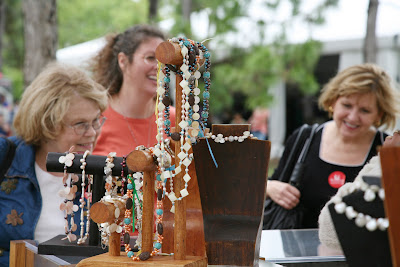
column 122, row 135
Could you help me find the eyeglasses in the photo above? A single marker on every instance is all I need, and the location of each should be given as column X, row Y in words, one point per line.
column 82, row 127
column 150, row 59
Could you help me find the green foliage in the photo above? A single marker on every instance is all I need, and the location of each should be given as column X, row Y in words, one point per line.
column 17, row 79
column 255, row 69
column 251, row 70
column 80, row 21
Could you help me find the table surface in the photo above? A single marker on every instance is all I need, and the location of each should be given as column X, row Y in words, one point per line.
column 294, row 246
column 277, row 247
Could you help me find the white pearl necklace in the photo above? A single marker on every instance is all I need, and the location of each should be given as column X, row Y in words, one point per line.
column 361, row 219
column 219, row 138
column 84, row 235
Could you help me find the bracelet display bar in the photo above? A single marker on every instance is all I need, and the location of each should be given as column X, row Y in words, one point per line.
column 95, row 167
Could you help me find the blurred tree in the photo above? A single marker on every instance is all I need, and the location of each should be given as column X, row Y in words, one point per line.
column 2, row 26
column 370, row 47
column 40, row 33
column 238, row 65
column 80, row 21
column 251, row 67
column 153, row 8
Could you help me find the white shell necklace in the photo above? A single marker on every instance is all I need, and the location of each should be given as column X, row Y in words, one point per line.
column 361, row 219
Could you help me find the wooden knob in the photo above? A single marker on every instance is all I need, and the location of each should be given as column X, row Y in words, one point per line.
column 102, row 212
column 169, row 53
column 140, row 161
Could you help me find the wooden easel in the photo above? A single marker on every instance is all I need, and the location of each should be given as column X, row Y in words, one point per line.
column 390, row 158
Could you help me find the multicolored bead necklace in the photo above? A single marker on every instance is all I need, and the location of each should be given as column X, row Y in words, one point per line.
column 191, row 121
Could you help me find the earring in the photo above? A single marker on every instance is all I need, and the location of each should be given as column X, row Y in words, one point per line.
column 378, row 123
column 330, row 109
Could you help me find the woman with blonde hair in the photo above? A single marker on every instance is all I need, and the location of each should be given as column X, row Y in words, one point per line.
column 60, row 111
column 359, row 99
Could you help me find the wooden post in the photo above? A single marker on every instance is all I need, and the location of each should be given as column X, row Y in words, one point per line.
column 180, row 207
column 139, row 160
column 17, row 253
column 390, row 157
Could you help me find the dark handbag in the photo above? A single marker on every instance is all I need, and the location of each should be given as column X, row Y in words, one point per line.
column 275, row 216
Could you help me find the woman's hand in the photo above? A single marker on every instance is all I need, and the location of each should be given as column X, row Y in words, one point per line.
column 283, row 194
column 393, row 140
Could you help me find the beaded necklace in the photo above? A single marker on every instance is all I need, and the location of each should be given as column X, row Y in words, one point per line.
column 84, row 235
column 130, row 223
column 68, row 193
column 360, row 219
column 192, row 52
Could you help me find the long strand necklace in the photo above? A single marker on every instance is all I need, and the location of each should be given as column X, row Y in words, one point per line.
column 131, row 131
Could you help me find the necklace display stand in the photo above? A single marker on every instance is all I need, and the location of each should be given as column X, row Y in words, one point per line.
column 232, row 195
column 184, row 230
column 360, row 246
column 377, row 248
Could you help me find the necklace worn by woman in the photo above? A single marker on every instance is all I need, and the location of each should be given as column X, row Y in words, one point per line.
column 131, row 130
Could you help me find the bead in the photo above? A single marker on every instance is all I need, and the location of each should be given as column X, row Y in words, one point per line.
column 340, row 207
column 144, row 256
column 350, row 212
column 129, row 186
column 127, row 221
column 130, row 254
column 191, row 100
column 166, row 101
column 160, row 228
column 127, row 239
column 371, row 225
column 369, row 195
column 159, row 194
column 360, row 220
column 157, row 245
column 159, row 211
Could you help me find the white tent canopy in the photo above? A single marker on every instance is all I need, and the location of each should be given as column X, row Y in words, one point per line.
column 79, row 54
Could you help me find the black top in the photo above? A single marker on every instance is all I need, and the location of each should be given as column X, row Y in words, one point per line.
column 322, row 179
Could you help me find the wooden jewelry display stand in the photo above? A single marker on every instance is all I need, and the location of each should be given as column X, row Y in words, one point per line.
column 167, row 54
column 104, row 212
column 232, row 195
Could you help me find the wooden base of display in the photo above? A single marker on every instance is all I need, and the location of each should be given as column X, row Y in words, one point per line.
column 160, row 261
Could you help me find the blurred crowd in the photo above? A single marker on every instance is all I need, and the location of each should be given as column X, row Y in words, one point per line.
column 8, row 109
